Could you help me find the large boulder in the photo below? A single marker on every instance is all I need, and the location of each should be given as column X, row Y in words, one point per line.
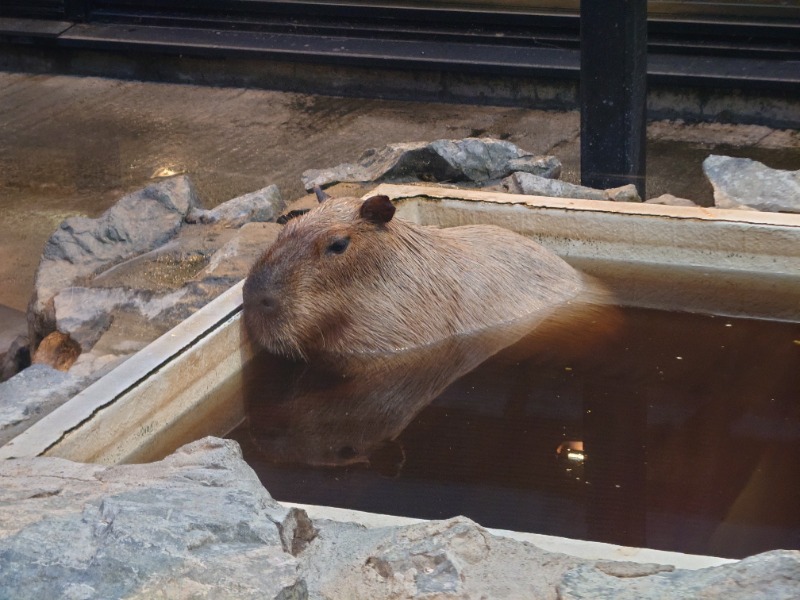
column 452, row 559
column 471, row 160
column 123, row 310
column 81, row 247
column 196, row 525
column 145, row 253
column 146, row 257
column 746, row 183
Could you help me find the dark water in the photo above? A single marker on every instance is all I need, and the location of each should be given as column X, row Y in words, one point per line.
column 681, row 433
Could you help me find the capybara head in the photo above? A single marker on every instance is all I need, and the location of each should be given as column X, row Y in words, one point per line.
column 348, row 277
column 296, row 295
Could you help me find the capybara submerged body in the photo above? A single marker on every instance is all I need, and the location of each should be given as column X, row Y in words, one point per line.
column 349, row 278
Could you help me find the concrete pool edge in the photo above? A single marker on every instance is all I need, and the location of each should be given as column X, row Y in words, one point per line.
column 82, row 408
column 579, row 548
column 718, row 261
column 403, row 192
column 727, row 238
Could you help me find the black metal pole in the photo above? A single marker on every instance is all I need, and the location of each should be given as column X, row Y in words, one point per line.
column 613, row 93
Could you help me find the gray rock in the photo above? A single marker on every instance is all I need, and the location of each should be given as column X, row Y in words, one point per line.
column 769, row 576
column 81, row 247
column 168, row 267
column 261, row 206
column 37, row 390
column 117, row 283
column 234, row 259
column 534, row 185
column 196, row 525
column 475, row 160
column 670, row 200
column 136, row 316
column 524, row 183
column 443, row 559
column 163, row 289
column 458, row 559
column 624, row 193
column 91, row 366
column 87, row 313
column 32, row 394
column 746, row 183
column 630, row 569
column 166, row 284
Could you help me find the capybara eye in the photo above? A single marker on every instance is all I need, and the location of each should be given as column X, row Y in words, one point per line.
column 338, row 246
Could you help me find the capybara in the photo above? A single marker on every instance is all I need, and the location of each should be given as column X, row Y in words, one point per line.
column 384, row 315
column 348, row 278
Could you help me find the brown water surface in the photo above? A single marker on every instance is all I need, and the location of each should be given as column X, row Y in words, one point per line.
column 682, row 433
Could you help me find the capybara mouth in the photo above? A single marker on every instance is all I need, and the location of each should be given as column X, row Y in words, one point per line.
column 265, row 328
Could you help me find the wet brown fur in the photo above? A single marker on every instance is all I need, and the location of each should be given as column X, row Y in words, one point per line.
column 397, row 285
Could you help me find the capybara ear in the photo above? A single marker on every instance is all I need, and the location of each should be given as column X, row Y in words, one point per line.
column 377, row 209
column 321, row 196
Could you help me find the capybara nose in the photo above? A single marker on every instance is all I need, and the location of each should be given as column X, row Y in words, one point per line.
column 258, row 292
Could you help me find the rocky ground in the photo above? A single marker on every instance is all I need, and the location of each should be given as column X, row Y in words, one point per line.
column 107, row 287
column 198, row 524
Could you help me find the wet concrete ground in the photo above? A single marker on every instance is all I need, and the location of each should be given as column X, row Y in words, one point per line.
column 73, row 145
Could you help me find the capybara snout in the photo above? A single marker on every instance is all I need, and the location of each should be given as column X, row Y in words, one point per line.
column 261, row 299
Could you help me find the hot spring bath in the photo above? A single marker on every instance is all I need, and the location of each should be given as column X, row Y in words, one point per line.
column 684, row 430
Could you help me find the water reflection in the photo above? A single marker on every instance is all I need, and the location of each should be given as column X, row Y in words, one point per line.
column 349, row 409
column 689, row 424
